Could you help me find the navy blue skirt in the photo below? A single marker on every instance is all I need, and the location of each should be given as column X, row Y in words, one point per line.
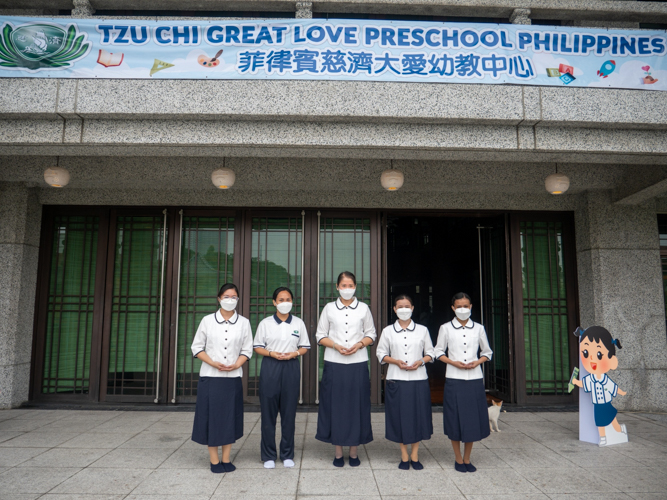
column 464, row 411
column 344, row 415
column 407, row 409
column 604, row 414
column 219, row 411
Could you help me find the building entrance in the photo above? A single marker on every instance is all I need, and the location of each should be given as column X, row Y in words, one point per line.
column 122, row 290
column 430, row 258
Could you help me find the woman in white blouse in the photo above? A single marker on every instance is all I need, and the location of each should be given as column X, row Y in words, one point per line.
column 345, row 329
column 465, row 412
column 224, row 343
column 280, row 339
column 406, row 347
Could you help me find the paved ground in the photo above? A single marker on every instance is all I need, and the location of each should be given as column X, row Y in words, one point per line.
column 58, row 454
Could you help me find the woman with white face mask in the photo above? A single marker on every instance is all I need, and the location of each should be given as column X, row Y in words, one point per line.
column 344, row 416
column 224, row 343
column 406, row 347
column 464, row 409
column 280, row 339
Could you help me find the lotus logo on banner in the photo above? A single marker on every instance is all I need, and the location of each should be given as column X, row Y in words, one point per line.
column 37, row 46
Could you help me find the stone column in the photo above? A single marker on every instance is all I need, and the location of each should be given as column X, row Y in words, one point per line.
column 20, row 219
column 304, row 10
column 520, row 16
column 621, row 289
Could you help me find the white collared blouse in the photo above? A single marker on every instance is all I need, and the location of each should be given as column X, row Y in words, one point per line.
column 286, row 336
column 407, row 345
column 463, row 343
column 602, row 391
column 224, row 342
column 346, row 325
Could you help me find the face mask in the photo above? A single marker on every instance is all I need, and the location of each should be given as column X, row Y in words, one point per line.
column 347, row 293
column 404, row 313
column 463, row 313
column 284, row 307
column 228, row 304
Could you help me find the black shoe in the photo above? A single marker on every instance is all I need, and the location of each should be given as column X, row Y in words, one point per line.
column 217, row 468
column 470, row 467
column 339, row 462
column 460, row 467
column 416, row 465
column 404, row 465
column 229, row 467
column 354, row 462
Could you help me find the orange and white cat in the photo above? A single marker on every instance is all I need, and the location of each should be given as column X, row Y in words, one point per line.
column 494, row 412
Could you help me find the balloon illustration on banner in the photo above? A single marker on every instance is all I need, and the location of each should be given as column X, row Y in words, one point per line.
column 597, row 356
column 336, row 49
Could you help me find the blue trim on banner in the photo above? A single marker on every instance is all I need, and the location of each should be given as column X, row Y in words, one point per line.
column 317, row 49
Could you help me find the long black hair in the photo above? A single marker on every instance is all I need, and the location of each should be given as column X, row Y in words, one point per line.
column 282, row 289
column 599, row 334
column 403, row 296
column 459, row 296
column 228, row 286
column 346, row 274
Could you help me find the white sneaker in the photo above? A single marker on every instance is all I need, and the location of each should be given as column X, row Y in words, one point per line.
column 288, row 463
column 603, row 441
column 624, row 429
column 269, row 464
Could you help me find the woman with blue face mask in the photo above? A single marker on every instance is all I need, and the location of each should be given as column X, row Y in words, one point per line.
column 223, row 343
column 464, row 409
column 345, row 329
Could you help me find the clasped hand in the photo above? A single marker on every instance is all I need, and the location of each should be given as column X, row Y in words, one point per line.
column 347, row 351
column 283, row 356
column 465, row 366
column 224, row 368
column 405, row 366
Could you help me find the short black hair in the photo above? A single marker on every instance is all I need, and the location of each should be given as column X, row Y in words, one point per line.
column 228, row 286
column 346, row 274
column 459, row 296
column 599, row 334
column 282, row 289
column 403, row 297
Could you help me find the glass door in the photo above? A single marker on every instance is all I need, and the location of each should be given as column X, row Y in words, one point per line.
column 495, row 304
column 205, row 259
column 135, row 306
column 545, row 307
column 273, row 258
column 347, row 242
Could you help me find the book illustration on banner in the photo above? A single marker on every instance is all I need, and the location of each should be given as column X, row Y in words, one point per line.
column 108, row 59
column 209, row 62
column 159, row 66
column 648, row 79
column 607, row 68
column 597, row 353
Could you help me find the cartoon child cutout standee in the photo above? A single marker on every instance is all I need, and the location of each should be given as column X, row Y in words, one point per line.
column 597, row 349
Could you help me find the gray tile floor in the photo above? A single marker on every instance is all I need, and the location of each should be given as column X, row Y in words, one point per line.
column 133, row 455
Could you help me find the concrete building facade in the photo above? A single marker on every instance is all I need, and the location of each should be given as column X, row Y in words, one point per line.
column 308, row 158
